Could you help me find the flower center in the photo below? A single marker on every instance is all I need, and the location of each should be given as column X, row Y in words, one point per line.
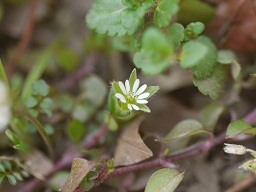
column 131, row 98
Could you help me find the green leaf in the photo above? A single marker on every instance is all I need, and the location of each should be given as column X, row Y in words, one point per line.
column 183, row 129
column 17, row 175
column 76, row 130
column 193, row 30
column 239, row 127
column 133, row 77
column 175, row 34
column 2, row 169
column 156, row 53
column 46, row 106
column 228, row 57
column 212, row 86
column 164, row 12
column 200, row 56
column 164, row 180
column 12, row 180
column 12, row 136
column 30, row 102
column 7, row 165
column 21, row 146
column 210, row 115
column 110, row 121
column 126, row 43
column 40, row 88
column 115, row 18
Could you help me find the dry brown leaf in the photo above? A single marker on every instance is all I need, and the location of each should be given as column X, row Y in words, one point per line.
column 79, row 169
column 130, row 147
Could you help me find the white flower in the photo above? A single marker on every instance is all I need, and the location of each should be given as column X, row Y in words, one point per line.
column 134, row 95
column 235, row 149
column 5, row 111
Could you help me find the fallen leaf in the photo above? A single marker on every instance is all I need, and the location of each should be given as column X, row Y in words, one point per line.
column 79, row 169
column 130, row 147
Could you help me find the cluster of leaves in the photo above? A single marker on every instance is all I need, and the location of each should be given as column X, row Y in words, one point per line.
column 11, row 171
column 164, row 44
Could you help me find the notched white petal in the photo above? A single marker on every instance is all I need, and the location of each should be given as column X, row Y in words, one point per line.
column 142, row 101
column 141, row 89
column 127, row 86
column 129, row 106
column 120, row 97
column 121, row 85
column 135, row 107
column 136, row 85
column 143, row 95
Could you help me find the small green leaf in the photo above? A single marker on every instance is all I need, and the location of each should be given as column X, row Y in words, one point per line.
column 12, row 136
column 156, row 53
column 175, row 34
column 212, row 86
column 3, row 76
column 164, row 180
column 17, row 175
column 226, row 56
column 7, row 165
column 239, row 127
column 40, row 88
column 2, row 169
column 210, row 115
column 193, row 30
column 21, row 146
column 12, row 180
column 30, row 102
column 110, row 121
column 76, row 130
column 115, row 18
column 46, row 105
column 133, row 77
column 126, row 43
column 200, row 56
column 165, row 11
column 183, row 129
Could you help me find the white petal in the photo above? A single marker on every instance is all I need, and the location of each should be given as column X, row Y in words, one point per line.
column 135, row 85
column 129, row 106
column 127, row 86
column 121, row 97
column 141, row 89
column 135, row 107
column 142, row 101
column 143, row 95
column 121, row 85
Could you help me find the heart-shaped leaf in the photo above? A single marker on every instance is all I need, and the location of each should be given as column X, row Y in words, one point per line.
column 239, row 127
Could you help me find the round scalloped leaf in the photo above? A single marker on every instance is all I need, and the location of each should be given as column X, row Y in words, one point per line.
column 164, row 180
column 115, row 18
column 200, row 56
column 156, row 53
column 212, row 86
column 165, row 11
column 175, row 34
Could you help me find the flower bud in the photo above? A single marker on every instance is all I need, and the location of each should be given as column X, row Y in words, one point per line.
column 235, row 149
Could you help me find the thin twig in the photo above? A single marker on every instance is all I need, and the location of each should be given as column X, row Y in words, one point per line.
column 25, row 39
